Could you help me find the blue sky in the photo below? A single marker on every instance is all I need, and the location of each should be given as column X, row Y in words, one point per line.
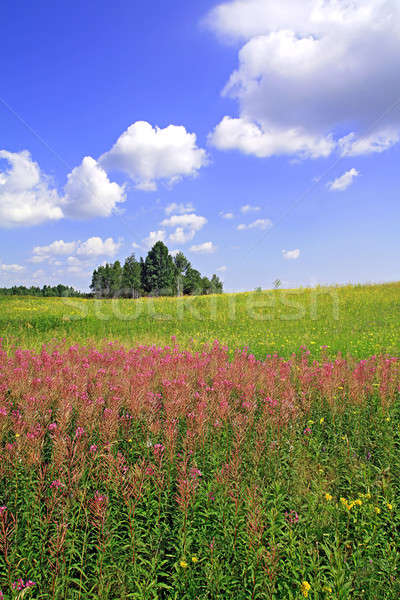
column 128, row 122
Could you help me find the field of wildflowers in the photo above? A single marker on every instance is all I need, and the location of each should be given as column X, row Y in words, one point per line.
column 168, row 473
column 355, row 320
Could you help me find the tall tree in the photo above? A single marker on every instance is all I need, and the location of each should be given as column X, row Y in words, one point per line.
column 181, row 266
column 216, row 285
column 192, row 283
column 159, row 271
column 131, row 277
column 115, row 279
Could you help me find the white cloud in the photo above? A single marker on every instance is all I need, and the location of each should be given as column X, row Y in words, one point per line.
column 227, row 215
column 258, row 224
column 378, row 142
column 265, row 141
column 249, row 208
column 11, row 268
column 153, row 237
column 26, row 196
column 150, row 154
column 187, row 225
column 179, row 209
column 305, row 69
column 191, row 221
column 56, row 248
column 78, row 251
column 89, row 192
column 95, row 246
column 205, row 248
column 181, row 235
column 222, row 269
column 291, row 254
column 344, row 181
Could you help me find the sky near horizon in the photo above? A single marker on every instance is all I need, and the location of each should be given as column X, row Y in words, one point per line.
column 260, row 138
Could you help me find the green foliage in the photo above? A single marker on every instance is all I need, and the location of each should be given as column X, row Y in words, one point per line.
column 159, row 278
column 47, row 291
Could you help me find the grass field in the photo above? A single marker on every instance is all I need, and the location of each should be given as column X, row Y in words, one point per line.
column 192, row 469
column 356, row 320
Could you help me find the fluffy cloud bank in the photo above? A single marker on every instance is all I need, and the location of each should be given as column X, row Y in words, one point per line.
column 305, row 71
column 148, row 154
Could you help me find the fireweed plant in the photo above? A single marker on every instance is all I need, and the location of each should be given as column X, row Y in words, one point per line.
column 160, row 473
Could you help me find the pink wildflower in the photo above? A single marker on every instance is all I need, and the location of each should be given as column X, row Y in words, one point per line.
column 57, row 484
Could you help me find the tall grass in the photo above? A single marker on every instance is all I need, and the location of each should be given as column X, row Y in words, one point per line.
column 356, row 320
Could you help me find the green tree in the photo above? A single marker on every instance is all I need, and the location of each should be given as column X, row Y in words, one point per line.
column 115, row 279
column 131, row 277
column 206, row 287
column 192, row 282
column 159, row 271
column 217, row 286
column 181, row 266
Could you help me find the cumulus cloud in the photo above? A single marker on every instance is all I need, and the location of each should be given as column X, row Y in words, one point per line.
column 153, row 237
column 226, row 215
column 75, row 252
column 187, row 225
column 11, row 268
column 249, row 208
column 344, row 181
column 96, row 246
column 304, row 71
column 89, row 192
column 179, row 209
column 265, row 141
column 258, row 224
column 222, row 269
column 26, row 195
column 150, row 154
column 291, row 254
column 56, row 248
column 205, row 248
column 191, row 221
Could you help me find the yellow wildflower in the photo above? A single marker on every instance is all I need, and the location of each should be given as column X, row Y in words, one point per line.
column 358, row 502
column 377, row 510
column 328, row 589
column 322, row 419
column 183, row 564
column 390, row 507
column 195, row 559
column 328, row 497
column 305, row 588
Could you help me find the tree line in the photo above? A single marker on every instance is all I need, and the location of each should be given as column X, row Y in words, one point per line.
column 47, row 291
column 159, row 274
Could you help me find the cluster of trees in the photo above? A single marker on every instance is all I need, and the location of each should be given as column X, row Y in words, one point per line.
column 159, row 274
column 47, row 291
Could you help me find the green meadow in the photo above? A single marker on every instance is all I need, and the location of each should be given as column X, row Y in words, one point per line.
column 358, row 320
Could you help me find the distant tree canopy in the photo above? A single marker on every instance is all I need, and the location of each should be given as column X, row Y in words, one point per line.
column 47, row 291
column 159, row 274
